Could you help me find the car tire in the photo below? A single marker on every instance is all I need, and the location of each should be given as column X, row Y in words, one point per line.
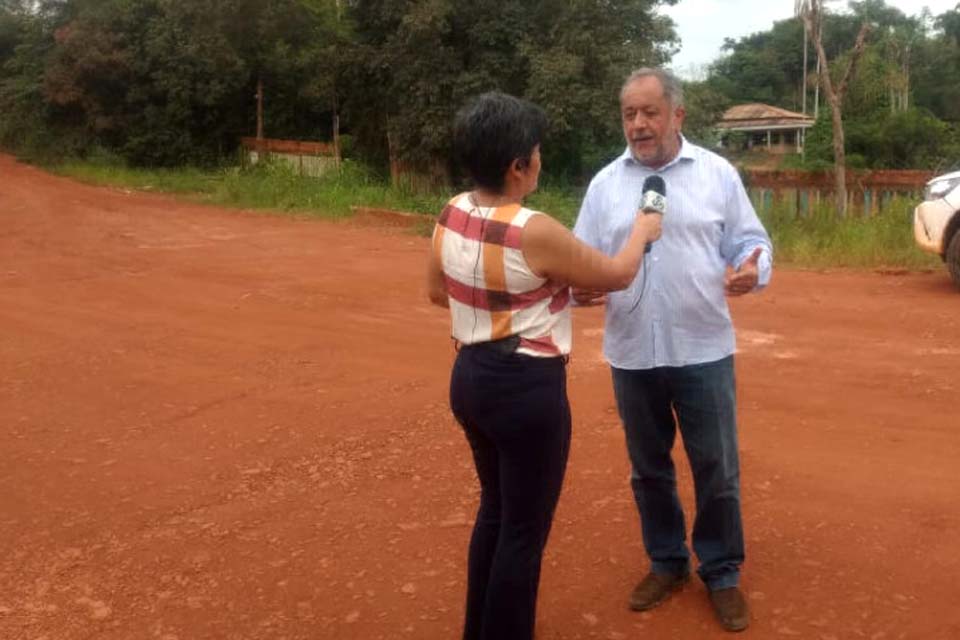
column 952, row 258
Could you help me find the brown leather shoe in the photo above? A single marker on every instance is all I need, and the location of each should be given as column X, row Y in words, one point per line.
column 655, row 588
column 731, row 608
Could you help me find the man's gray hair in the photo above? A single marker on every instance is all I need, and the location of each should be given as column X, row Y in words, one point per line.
column 672, row 87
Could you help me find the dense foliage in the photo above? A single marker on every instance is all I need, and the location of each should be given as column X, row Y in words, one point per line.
column 166, row 82
column 902, row 109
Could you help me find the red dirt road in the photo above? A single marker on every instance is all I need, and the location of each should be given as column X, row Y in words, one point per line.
column 226, row 425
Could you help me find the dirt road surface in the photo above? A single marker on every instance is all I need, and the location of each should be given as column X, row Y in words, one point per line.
column 227, row 425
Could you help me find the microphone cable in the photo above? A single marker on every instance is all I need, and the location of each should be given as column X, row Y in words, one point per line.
column 653, row 199
column 643, row 285
column 476, row 265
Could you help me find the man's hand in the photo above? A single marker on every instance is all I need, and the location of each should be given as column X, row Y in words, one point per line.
column 589, row 297
column 746, row 277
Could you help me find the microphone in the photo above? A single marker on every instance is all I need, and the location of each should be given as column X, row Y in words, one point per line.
column 654, row 198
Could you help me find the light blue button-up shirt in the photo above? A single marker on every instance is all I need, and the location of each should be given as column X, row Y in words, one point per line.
column 682, row 317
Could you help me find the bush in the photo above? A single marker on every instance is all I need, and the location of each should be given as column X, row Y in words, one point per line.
column 822, row 239
column 856, row 161
column 912, row 139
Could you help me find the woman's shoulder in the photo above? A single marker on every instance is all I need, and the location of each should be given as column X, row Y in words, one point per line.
column 460, row 200
column 539, row 228
column 524, row 214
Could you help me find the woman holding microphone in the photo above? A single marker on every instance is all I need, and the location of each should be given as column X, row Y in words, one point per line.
column 505, row 273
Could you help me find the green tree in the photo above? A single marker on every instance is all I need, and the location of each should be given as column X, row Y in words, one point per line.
column 576, row 76
column 165, row 82
column 25, row 117
column 705, row 107
column 764, row 67
column 936, row 68
column 911, row 139
column 811, row 11
column 569, row 56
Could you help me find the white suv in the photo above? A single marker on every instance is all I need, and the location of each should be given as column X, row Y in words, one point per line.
column 936, row 221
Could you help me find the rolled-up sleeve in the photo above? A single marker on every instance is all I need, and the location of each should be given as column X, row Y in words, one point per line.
column 744, row 232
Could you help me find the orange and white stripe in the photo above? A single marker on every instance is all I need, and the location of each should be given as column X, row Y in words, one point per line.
column 493, row 293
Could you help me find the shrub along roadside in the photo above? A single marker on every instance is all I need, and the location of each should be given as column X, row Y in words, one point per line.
column 820, row 240
column 823, row 240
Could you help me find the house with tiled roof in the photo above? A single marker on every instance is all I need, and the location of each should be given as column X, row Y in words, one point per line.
column 764, row 126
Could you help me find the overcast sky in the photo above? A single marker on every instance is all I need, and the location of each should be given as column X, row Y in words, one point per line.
column 703, row 24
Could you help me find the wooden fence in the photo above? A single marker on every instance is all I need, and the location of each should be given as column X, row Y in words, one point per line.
column 869, row 193
column 307, row 158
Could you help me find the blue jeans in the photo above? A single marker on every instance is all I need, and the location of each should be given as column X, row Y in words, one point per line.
column 701, row 399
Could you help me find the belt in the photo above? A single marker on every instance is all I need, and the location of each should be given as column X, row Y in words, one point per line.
column 504, row 346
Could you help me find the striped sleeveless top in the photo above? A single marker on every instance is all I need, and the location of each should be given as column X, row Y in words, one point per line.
column 493, row 293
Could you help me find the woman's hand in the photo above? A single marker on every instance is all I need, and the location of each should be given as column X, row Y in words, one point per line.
column 589, row 297
column 653, row 223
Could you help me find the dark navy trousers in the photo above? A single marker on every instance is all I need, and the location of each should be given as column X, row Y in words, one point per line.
column 514, row 412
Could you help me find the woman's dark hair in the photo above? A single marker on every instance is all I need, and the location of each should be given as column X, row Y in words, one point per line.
column 492, row 131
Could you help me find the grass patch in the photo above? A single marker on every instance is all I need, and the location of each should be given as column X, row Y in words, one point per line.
column 276, row 186
column 816, row 240
column 270, row 186
column 821, row 239
column 563, row 203
column 185, row 180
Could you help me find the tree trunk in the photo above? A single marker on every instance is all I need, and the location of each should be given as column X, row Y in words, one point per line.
column 835, row 102
column 906, row 80
column 839, row 158
column 812, row 18
column 336, row 110
column 336, row 131
column 392, row 154
column 259, row 107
